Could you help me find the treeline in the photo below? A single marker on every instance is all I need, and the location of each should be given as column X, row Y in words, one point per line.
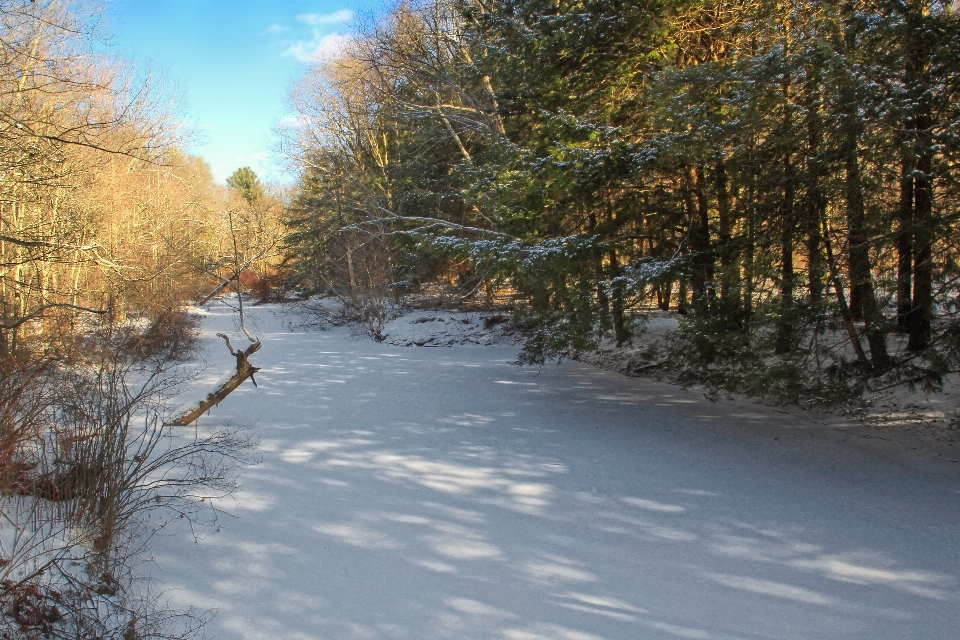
column 781, row 174
column 92, row 186
column 106, row 229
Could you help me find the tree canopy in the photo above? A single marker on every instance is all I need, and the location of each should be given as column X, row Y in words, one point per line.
column 245, row 182
column 781, row 175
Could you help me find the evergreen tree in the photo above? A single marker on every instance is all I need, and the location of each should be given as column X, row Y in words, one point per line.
column 783, row 171
column 245, row 182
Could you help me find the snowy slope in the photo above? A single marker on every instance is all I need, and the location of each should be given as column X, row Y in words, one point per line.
column 443, row 493
column 444, row 329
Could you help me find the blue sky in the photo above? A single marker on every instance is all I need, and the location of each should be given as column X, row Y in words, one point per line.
column 232, row 62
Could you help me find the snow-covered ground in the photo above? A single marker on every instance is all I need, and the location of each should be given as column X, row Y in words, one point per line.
column 444, row 329
column 442, row 493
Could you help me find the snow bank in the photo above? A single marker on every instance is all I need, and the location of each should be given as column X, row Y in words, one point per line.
column 446, row 494
column 445, row 329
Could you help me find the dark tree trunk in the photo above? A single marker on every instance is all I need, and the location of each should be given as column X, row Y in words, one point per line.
column 748, row 266
column 728, row 277
column 702, row 272
column 921, row 313
column 816, row 207
column 863, row 302
column 700, row 238
column 905, row 243
column 834, row 275
column 785, row 329
column 664, row 290
column 619, row 317
column 855, row 275
column 859, row 257
column 603, row 301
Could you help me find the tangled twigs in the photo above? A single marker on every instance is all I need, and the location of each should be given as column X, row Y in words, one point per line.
column 244, row 370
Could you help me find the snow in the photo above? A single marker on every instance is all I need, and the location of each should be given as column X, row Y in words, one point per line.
column 443, row 493
column 444, row 329
column 933, row 419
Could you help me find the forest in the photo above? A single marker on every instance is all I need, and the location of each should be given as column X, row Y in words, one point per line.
column 780, row 175
column 779, row 178
column 107, row 229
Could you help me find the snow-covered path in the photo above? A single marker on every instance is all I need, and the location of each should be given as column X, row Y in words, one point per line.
column 443, row 493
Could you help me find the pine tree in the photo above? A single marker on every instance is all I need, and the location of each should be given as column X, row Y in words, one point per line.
column 245, row 182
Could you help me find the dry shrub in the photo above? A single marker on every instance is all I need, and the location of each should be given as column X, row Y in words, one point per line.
column 252, row 281
column 173, row 333
column 33, row 608
column 267, row 287
column 88, row 470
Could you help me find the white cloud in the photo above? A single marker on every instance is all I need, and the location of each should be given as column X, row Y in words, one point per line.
column 322, row 45
column 276, row 29
column 317, row 19
column 318, row 49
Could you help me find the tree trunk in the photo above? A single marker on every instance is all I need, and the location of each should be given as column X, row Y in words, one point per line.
column 749, row 251
column 350, row 273
column 785, row 330
column 859, row 258
column 619, row 317
column 842, row 300
column 664, row 290
column 728, row 277
column 904, row 243
column 921, row 314
column 702, row 272
column 603, row 301
column 682, row 297
column 244, row 370
column 816, row 205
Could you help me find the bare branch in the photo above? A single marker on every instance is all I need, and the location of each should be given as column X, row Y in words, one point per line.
column 36, row 313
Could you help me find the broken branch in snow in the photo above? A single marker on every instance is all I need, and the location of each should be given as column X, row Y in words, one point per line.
column 244, row 370
column 647, row 367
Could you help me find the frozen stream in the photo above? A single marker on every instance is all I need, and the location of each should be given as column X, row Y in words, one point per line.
column 427, row 493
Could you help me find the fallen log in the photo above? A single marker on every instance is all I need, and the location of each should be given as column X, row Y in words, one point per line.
column 244, row 370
